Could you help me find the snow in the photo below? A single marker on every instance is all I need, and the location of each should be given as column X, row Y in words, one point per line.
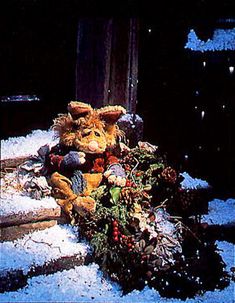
column 131, row 118
column 87, row 284
column 227, row 252
column 223, row 39
column 26, row 146
column 192, row 183
column 40, row 247
column 220, row 212
column 16, row 204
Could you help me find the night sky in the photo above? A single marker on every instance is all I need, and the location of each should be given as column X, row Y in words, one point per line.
column 38, row 56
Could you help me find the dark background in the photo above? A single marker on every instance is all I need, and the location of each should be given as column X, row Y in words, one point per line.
column 38, row 56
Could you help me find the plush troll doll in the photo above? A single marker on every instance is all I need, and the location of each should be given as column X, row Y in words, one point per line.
column 84, row 155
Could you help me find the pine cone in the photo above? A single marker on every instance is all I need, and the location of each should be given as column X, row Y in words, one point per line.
column 169, row 175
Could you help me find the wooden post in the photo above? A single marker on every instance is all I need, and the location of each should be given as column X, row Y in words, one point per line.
column 107, row 62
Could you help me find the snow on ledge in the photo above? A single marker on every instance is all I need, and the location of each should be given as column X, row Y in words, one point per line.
column 223, row 39
column 16, row 204
column 26, row 146
column 40, row 247
column 192, row 183
column 227, row 252
column 220, row 212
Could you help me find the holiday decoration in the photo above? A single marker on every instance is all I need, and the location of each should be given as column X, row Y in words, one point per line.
column 129, row 203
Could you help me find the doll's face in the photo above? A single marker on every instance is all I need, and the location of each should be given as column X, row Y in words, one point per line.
column 89, row 130
column 91, row 140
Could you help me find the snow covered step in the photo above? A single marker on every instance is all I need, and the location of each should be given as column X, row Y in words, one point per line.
column 15, row 147
column 41, row 252
column 81, row 284
column 16, row 210
column 88, row 284
column 219, row 223
column 221, row 212
column 15, row 150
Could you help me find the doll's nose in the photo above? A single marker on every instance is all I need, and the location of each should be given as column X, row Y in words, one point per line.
column 93, row 145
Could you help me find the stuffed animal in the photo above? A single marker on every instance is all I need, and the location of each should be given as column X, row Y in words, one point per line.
column 84, row 156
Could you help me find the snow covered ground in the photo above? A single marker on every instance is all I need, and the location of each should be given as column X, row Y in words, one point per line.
column 87, row 283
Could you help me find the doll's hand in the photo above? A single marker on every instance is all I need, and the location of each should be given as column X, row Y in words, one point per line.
column 116, row 175
column 73, row 160
column 82, row 156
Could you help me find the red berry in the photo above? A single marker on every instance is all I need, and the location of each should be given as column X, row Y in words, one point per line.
column 138, row 174
column 115, row 228
column 128, row 183
column 115, row 233
column 115, row 223
column 115, row 239
column 129, row 245
column 123, row 237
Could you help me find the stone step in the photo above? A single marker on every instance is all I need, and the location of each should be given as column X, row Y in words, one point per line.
column 40, row 252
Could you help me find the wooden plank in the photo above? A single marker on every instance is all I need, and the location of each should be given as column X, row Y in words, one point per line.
column 41, row 214
column 12, row 233
column 12, row 162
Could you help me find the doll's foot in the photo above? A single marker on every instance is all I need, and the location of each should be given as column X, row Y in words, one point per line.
column 62, row 187
column 66, row 206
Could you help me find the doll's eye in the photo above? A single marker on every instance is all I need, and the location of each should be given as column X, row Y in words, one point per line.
column 86, row 133
column 97, row 134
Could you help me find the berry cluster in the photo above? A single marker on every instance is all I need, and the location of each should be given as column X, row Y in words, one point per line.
column 116, row 233
column 121, row 239
column 129, row 241
column 129, row 183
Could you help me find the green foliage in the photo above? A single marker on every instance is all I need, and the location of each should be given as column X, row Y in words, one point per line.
column 115, row 193
column 143, row 156
column 117, row 229
column 99, row 243
column 99, row 192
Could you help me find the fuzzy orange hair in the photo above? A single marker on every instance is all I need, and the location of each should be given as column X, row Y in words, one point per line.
column 69, row 127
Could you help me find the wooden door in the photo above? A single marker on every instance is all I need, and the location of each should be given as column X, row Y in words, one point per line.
column 107, row 62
